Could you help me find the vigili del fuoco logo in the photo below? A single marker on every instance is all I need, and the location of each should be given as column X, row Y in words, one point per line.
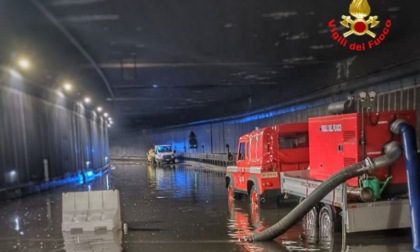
column 359, row 24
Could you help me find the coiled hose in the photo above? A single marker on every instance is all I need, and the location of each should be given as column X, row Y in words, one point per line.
column 392, row 152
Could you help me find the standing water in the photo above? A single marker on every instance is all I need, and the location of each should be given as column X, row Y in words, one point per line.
column 178, row 207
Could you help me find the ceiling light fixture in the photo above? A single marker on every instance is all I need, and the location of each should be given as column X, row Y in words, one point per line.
column 24, row 63
column 67, row 86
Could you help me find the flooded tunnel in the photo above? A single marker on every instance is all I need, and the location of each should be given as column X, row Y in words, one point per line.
column 181, row 207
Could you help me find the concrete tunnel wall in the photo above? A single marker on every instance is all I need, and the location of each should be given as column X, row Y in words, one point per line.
column 37, row 124
column 402, row 94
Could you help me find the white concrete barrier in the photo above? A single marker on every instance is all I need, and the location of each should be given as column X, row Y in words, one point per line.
column 91, row 211
column 109, row 241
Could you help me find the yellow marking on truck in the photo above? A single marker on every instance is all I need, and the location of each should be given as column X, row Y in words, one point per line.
column 269, row 175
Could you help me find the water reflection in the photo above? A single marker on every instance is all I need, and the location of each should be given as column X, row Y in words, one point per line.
column 177, row 208
column 244, row 221
column 377, row 241
column 179, row 181
column 106, row 241
column 377, row 248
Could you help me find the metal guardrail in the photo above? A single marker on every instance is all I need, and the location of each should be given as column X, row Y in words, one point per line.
column 220, row 159
column 125, row 158
column 23, row 189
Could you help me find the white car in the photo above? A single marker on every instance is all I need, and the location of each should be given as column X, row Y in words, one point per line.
column 164, row 154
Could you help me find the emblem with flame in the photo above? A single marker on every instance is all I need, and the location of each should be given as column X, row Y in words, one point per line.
column 359, row 9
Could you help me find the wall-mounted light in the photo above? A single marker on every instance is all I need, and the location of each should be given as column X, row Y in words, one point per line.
column 24, row 63
column 67, row 87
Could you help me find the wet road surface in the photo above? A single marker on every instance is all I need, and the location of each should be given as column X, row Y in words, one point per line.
column 182, row 207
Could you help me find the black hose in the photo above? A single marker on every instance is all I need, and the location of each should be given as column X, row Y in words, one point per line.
column 392, row 153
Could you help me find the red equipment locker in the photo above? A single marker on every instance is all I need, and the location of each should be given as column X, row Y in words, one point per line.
column 337, row 141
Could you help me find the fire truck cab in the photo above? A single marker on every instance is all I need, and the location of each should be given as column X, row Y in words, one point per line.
column 261, row 155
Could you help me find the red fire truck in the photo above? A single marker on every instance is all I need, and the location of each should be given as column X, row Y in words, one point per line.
column 264, row 153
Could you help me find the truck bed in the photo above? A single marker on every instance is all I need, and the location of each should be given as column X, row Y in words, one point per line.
column 298, row 183
column 356, row 216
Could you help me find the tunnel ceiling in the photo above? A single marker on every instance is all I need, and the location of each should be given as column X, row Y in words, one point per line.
column 166, row 62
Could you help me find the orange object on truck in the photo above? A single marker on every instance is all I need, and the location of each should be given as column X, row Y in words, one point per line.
column 262, row 154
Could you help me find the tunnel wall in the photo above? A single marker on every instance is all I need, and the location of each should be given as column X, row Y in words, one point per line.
column 400, row 94
column 36, row 125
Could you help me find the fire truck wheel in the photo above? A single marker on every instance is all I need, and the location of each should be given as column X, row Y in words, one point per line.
column 310, row 225
column 254, row 197
column 326, row 225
